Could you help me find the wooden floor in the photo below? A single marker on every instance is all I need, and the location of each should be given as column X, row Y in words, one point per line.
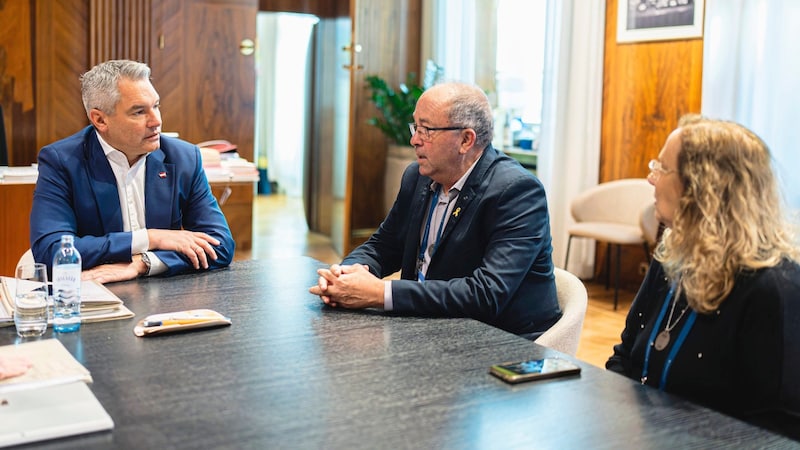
column 279, row 229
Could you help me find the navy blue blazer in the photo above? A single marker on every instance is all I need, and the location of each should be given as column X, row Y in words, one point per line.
column 494, row 259
column 76, row 193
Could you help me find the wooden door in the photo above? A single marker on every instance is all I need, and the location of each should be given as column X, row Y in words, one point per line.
column 387, row 35
column 386, row 42
column 203, row 70
column 326, row 163
column 383, row 39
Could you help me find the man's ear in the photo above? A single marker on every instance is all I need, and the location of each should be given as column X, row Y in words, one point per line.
column 98, row 119
column 468, row 137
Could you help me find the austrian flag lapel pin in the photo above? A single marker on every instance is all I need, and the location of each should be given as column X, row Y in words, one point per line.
column 162, row 174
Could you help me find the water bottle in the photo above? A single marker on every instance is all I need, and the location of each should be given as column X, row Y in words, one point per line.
column 67, row 287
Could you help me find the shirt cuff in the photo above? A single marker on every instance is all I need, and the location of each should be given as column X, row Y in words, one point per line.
column 140, row 243
column 157, row 266
column 387, row 296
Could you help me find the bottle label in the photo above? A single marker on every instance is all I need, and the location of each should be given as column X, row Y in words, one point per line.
column 67, row 273
column 67, row 281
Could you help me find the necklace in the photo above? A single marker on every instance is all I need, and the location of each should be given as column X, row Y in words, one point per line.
column 662, row 340
column 673, row 351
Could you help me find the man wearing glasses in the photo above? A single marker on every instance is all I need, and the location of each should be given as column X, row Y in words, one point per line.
column 469, row 229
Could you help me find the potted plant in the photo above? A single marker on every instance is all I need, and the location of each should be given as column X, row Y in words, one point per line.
column 396, row 108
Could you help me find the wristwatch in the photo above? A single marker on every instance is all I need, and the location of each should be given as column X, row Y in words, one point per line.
column 146, row 261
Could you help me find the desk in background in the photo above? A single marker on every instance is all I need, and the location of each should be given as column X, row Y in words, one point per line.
column 16, row 200
column 235, row 198
column 292, row 373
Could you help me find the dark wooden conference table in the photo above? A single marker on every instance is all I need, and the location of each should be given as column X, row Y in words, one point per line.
column 293, row 373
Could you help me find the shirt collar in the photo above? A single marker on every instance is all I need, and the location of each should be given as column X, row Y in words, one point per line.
column 116, row 156
column 459, row 185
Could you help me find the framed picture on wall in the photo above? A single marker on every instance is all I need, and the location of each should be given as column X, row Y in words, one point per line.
column 659, row 20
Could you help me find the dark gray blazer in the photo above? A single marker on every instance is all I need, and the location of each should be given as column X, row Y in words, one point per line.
column 494, row 260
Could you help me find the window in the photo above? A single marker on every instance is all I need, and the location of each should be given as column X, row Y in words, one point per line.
column 505, row 58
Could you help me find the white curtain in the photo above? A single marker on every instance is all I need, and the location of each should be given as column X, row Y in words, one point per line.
column 751, row 73
column 454, row 21
column 281, row 71
column 266, row 31
column 569, row 150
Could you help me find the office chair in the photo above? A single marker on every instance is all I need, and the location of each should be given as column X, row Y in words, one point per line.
column 565, row 334
column 651, row 227
column 611, row 212
column 26, row 258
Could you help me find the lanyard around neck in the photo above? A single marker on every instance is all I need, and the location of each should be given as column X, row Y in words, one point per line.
column 424, row 245
column 675, row 347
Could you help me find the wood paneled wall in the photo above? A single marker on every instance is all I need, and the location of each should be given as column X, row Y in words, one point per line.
column 120, row 27
column 321, row 8
column 207, row 88
column 647, row 87
column 42, row 51
column 61, row 31
column 16, row 78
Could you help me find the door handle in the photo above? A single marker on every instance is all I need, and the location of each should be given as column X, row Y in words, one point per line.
column 247, row 47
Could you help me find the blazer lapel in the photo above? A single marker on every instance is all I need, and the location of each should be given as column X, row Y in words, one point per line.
column 418, row 206
column 462, row 204
column 417, row 215
column 102, row 183
column 469, row 193
column 159, row 188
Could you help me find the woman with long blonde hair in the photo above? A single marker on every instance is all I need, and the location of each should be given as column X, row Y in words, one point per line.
column 709, row 321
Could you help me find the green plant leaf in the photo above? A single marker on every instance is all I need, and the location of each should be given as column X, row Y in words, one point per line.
column 395, row 107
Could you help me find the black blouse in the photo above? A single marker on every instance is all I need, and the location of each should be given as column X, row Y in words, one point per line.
column 731, row 360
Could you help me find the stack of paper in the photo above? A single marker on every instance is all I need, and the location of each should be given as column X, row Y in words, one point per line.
column 16, row 175
column 240, row 168
column 98, row 304
column 50, row 400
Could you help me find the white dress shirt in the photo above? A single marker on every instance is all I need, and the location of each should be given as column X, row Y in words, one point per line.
column 130, row 186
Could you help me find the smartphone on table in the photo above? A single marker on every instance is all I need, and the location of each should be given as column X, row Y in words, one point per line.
column 535, row 369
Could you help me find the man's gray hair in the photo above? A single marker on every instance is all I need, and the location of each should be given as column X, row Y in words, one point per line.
column 470, row 108
column 100, row 85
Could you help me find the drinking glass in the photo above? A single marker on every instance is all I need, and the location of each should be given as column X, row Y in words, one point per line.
column 30, row 300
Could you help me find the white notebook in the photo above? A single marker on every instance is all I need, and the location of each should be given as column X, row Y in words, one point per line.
column 50, row 412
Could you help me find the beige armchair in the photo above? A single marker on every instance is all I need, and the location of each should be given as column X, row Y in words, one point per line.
column 26, row 258
column 565, row 334
column 611, row 212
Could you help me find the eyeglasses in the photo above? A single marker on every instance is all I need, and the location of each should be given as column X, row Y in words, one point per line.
column 656, row 169
column 425, row 132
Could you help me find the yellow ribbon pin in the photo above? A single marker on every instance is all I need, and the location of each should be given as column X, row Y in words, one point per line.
column 456, row 212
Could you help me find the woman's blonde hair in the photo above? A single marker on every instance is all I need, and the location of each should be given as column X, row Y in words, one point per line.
column 729, row 218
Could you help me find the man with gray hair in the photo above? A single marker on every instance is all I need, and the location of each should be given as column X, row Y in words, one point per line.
column 137, row 202
column 469, row 229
